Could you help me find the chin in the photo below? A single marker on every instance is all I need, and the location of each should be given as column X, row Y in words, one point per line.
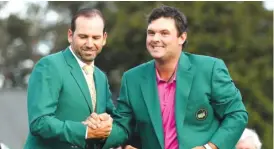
column 89, row 60
column 156, row 55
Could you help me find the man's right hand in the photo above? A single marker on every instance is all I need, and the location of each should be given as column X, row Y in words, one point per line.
column 99, row 126
column 98, row 133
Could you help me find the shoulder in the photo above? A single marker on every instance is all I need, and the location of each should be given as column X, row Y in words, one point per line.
column 199, row 59
column 203, row 62
column 51, row 59
column 140, row 69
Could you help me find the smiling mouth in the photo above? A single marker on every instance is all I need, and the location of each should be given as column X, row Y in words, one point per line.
column 89, row 52
column 157, row 46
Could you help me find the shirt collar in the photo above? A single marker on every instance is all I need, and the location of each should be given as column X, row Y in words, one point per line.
column 159, row 79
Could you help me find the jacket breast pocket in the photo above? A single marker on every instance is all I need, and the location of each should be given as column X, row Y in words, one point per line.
column 199, row 112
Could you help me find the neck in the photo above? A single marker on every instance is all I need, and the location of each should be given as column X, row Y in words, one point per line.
column 166, row 68
column 88, row 63
column 91, row 63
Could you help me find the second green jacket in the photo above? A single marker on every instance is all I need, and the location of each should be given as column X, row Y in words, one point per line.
column 208, row 106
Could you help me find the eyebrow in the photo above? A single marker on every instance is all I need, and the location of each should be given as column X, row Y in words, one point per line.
column 87, row 35
column 82, row 35
column 163, row 30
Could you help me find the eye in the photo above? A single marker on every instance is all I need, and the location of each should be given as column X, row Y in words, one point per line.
column 82, row 36
column 96, row 37
column 150, row 33
column 164, row 33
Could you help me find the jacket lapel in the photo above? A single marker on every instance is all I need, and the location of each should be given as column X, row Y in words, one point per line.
column 78, row 76
column 184, row 77
column 99, row 91
column 150, row 94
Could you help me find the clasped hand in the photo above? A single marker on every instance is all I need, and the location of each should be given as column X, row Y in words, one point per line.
column 98, row 125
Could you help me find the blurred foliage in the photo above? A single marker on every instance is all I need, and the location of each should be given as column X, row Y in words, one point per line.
column 240, row 33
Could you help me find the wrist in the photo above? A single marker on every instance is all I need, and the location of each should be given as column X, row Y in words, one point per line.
column 89, row 133
column 206, row 146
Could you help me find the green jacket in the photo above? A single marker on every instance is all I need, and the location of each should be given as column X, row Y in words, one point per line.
column 208, row 105
column 59, row 100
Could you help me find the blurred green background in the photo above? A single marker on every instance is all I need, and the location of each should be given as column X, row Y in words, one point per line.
column 240, row 33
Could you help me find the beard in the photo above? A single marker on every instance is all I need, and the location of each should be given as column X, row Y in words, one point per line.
column 87, row 58
column 85, row 55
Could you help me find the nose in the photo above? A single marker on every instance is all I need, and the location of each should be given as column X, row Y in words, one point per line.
column 89, row 43
column 156, row 37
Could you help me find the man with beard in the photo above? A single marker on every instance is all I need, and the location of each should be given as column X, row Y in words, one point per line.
column 66, row 87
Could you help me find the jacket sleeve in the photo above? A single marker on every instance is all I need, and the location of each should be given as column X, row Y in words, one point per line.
column 43, row 92
column 228, row 106
column 123, row 116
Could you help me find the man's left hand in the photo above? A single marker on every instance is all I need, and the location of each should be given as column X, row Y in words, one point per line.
column 213, row 146
column 199, row 147
column 129, row 147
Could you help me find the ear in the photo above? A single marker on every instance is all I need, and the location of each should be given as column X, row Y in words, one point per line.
column 182, row 38
column 70, row 35
column 105, row 38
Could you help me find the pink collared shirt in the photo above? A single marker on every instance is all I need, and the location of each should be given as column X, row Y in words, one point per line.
column 166, row 92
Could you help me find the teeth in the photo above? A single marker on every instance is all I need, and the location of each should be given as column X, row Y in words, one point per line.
column 157, row 46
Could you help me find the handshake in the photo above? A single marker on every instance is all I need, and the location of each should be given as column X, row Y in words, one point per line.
column 98, row 126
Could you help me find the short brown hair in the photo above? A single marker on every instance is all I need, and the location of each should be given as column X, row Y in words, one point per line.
column 86, row 12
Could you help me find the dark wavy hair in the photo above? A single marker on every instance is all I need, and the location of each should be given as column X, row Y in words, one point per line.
column 170, row 12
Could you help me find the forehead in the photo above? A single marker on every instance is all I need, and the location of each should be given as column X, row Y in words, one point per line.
column 89, row 24
column 162, row 24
